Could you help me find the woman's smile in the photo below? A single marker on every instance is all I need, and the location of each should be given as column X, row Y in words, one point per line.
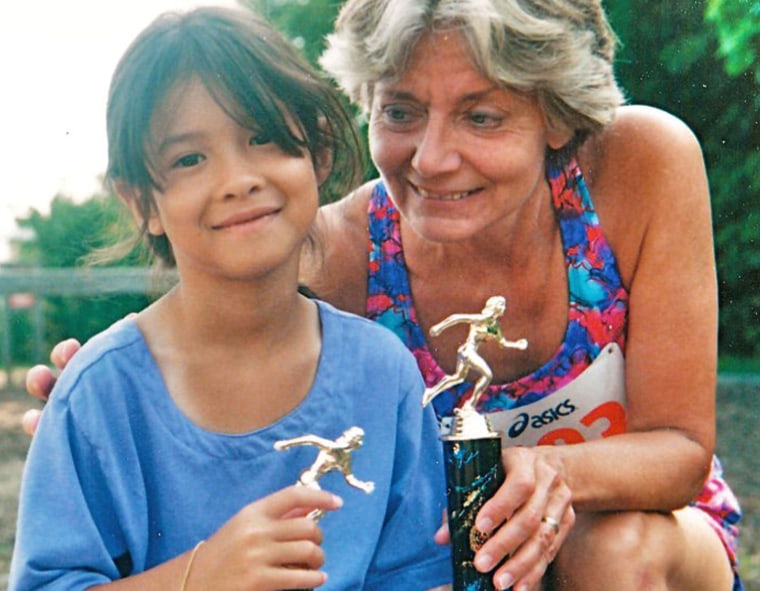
column 442, row 195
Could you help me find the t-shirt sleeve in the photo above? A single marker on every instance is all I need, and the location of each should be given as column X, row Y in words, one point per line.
column 63, row 508
column 407, row 558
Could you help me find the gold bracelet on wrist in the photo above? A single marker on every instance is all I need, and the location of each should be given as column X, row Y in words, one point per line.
column 189, row 565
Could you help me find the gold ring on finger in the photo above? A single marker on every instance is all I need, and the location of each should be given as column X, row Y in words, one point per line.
column 552, row 522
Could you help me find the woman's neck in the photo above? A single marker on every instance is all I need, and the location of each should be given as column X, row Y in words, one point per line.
column 508, row 245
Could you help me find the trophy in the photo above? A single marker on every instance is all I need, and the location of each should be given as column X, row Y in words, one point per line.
column 472, row 449
column 333, row 455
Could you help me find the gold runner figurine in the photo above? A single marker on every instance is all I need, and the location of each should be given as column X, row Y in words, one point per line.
column 333, row 455
column 483, row 326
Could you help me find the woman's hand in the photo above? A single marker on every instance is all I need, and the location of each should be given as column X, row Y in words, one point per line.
column 268, row 545
column 40, row 380
column 534, row 504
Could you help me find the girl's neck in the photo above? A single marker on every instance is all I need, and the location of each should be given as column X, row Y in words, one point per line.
column 234, row 359
column 229, row 313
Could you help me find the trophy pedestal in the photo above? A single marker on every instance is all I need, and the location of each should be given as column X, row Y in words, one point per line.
column 474, row 471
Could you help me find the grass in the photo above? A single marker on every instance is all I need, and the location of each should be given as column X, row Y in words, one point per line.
column 738, row 404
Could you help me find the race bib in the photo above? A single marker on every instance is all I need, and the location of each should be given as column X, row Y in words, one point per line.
column 590, row 407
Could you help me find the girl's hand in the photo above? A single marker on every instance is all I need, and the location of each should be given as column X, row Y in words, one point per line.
column 40, row 380
column 534, row 505
column 269, row 545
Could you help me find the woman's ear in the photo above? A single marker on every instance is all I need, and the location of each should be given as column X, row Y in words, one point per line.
column 557, row 136
column 130, row 198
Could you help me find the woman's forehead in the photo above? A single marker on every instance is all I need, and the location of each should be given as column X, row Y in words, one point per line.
column 438, row 59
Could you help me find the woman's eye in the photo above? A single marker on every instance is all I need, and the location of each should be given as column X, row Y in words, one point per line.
column 397, row 114
column 260, row 138
column 482, row 119
column 188, row 160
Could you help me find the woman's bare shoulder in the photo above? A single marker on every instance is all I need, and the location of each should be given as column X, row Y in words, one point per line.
column 335, row 267
column 642, row 170
column 641, row 135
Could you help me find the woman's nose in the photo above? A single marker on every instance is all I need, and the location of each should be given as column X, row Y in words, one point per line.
column 436, row 151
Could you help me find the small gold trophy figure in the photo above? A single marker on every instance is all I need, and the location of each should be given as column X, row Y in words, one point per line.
column 333, row 455
column 472, row 450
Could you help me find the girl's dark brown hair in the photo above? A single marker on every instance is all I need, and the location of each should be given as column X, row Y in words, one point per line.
column 252, row 72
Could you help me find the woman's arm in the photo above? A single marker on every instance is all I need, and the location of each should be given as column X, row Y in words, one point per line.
column 653, row 199
column 647, row 179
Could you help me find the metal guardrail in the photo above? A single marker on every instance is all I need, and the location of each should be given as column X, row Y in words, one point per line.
column 23, row 288
column 82, row 281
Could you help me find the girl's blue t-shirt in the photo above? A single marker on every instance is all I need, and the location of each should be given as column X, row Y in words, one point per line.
column 118, row 480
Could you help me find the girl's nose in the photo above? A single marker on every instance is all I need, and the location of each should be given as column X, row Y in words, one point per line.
column 239, row 176
column 436, row 151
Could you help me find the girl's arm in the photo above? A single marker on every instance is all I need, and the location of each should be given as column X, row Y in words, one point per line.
column 83, row 488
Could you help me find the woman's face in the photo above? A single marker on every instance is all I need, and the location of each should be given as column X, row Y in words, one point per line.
column 457, row 152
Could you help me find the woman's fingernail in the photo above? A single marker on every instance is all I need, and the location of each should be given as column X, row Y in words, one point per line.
column 337, row 501
column 483, row 562
column 485, row 525
column 505, row 581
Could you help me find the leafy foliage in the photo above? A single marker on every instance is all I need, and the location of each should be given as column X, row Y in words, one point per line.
column 738, row 27
column 64, row 238
column 670, row 57
column 305, row 22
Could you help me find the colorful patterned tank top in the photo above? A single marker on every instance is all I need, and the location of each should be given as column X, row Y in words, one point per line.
column 537, row 408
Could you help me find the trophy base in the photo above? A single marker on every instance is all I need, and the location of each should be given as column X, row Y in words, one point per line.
column 474, row 472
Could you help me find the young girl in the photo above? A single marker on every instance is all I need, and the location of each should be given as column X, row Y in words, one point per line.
column 162, row 433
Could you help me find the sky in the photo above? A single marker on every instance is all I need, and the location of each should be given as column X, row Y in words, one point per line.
column 56, row 60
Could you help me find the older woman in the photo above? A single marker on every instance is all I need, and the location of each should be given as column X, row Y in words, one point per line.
column 508, row 167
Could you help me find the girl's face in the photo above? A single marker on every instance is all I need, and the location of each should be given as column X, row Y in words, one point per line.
column 233, row 203
column 457, row 152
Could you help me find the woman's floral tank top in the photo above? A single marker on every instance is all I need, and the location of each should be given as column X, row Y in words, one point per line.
column 579, row 393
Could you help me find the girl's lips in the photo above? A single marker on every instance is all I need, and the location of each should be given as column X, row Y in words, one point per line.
column 441, row 195
column 245, row 217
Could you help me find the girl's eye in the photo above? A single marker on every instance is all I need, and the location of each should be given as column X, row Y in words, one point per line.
column 260, row 138
column 188, row 160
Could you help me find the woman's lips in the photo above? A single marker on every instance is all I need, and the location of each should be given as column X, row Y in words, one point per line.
column 442, row 195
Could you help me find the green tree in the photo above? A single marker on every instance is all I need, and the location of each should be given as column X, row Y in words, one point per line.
column 738, row 29
column 64, row 238
column 305, row 22
column 670, row 58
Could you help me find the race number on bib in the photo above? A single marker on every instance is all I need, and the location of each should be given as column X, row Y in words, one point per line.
column 591, row 407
